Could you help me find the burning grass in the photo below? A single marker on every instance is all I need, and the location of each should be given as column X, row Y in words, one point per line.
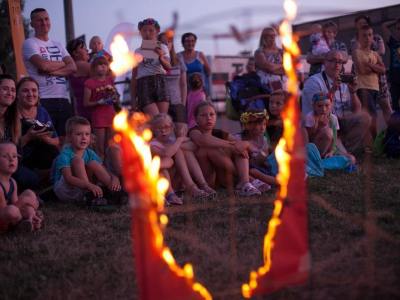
column 82, row 254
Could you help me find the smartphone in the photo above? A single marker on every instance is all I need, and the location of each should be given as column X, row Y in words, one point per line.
column 347, row 78
column 149, row 44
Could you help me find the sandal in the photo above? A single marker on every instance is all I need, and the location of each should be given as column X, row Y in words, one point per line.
column 173, row 199
column 197, row 194
column 248, row 190
column 92, row 201
column 210, row 191
column 260, row 185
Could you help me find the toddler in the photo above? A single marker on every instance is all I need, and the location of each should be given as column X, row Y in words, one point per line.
column 15, row 209
column 100, row 95
column 181, row 151
column 78, row 168
column 318, row 41
column 97, row 49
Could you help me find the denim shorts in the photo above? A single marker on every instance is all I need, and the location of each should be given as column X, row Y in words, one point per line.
column 151, row 89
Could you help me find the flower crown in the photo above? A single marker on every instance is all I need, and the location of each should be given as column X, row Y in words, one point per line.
column 148, row 21
column 249, row 116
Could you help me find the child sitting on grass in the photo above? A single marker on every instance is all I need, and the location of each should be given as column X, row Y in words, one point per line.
column 76, row 166
column 179, row 149
column 15, row 209
column 221, row 155
column 322, row 127
column 274, row 128
column 254, row 123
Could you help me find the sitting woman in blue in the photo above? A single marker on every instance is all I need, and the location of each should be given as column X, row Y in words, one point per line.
column 39, row 140
column 195, row 61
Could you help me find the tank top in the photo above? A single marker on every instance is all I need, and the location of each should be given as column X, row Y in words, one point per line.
column 8, row 195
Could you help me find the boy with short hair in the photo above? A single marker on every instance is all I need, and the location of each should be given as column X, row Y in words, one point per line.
column 15, row 209
column 77, row 164
column 368, row 67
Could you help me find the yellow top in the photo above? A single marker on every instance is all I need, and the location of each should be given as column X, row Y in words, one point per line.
column 366, row 78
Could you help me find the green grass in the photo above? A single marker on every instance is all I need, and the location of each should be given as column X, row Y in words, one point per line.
column 82, row 254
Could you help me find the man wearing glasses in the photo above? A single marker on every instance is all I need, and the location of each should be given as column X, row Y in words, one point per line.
column 354, row 123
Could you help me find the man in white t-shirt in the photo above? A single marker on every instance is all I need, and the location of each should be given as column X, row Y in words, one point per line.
column 354, row 122
column 48, row 62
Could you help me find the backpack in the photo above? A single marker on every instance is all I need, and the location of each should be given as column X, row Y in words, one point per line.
column 243, row 87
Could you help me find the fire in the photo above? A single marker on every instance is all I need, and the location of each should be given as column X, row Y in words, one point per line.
column 284, row 150
column 147, row 189
column 123, row 59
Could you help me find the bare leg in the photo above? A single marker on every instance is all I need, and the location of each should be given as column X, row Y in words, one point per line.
column 223, row 162
column 206, row 166
column 78, row 169
column 101, row 140
column 183, row 170
column 100, row 172
column 9, row 215
column 115, row 160
column 180, row 129
column 163, row 107
column 28, row 205
column 323, row 140
column 263, row 177
column 194, row 167
column 151, row 109
column 242, row 167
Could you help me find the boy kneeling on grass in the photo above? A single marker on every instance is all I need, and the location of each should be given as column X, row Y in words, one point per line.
column 20, row 210
column 78, row 168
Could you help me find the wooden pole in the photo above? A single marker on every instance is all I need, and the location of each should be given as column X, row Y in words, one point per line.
column 18, row 35
column 69, row 21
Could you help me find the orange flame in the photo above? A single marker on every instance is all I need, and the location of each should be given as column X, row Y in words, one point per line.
column 123, row 59
column 141, row 171
column 285, row 145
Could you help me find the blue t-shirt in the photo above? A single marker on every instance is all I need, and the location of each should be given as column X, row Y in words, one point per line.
column 43, row 117
column 64, row 160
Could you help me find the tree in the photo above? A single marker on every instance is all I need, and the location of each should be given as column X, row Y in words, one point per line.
column 7, row 58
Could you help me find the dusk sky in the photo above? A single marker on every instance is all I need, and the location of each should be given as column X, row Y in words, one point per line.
column 205, row 17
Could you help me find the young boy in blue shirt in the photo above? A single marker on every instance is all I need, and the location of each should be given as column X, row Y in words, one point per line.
column 78, row 168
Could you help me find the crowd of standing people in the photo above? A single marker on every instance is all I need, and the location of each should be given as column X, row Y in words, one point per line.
column 44, row 139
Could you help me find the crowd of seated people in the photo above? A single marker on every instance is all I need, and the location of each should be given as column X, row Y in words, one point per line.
column 46, row 141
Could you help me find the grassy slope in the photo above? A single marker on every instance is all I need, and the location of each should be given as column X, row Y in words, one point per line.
column 82, row 254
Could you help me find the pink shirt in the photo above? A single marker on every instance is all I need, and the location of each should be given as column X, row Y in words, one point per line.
column 102, row 115
column 194, row 98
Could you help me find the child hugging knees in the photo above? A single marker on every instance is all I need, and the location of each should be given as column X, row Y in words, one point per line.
column 178, row 152
column 220, row 155
column 78, row 168
column 254, row 123
column 21, row 210
column 322, row 127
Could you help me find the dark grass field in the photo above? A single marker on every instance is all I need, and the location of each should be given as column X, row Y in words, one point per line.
column 82, row 254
